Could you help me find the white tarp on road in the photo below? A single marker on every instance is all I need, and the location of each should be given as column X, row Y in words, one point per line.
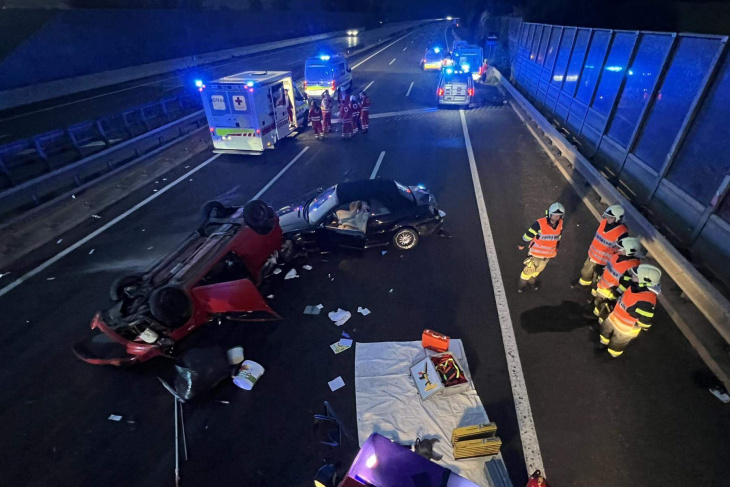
column 388, row 403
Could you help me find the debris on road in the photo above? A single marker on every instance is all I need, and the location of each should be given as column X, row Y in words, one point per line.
column 91, row 251
column 95, row 216
column 720, row 393
column 150, row 247
column 307, row 267
column 363, row 311
column 223, row 402
column 155, row 191
column 383, row 252
column 340, row 316
column 59, row 241
column 312, row 310
column 270, row 296
column 249, row 373
column 320, row 306
column 276, row 271
column 345, row 335
column 292, row 274
column 339, row 347
column 345, row 342
column 390, row 291
column 3, row 274
column 50, row 279
column 337, row 383
column 114, row 417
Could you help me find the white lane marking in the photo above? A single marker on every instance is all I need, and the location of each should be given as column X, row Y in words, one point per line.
column 405, row 48
column 368, row 86
column 121, row 217
column 100, row 230
column 525, row 421
column 4, row 135
column 377, row 165
column 409, row 89
column 281, row 173
column 383, row 49
column 391, row 62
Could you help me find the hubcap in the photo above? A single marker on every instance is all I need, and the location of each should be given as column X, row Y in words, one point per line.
column 405, row 239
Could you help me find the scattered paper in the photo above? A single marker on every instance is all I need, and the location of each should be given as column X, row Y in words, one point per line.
column 3, row 274
column 115, row 417
column 721, row 394
column 277, row 271
column 59, row 241
column 187, row 167
column 390, row 291
column 270, row 296
column 191, row 179
column 157, row 182
column 292, row 274
column 224, row 402
column 311, row 310
column 345, row 342
column 150, row 247
column 320, row 306
column 340, row 316
column 307, row 267
column 50, row 279
column 383, row 252
column 95, row 216
column 73, row 196
column 344, row 334
column 338, row 347
column 164, row 179
column 337, row 383
column 442, row 213
column 91, row 251
column 154, row 191
column 363, row 311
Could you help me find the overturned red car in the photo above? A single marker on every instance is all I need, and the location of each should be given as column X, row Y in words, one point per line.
column 214, row 273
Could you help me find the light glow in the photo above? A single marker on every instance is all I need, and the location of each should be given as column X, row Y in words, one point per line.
column 614, row 69
column 371, row 461
column 199, row 83
column 436, row 50
column 324, row 57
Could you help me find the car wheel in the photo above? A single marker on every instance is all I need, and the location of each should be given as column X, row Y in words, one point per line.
column 405, row 238
column 171, row 306
column 212, row 209
column 121, row 284
column 258, row 216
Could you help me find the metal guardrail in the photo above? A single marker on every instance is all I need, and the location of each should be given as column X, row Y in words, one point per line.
column 34, row 171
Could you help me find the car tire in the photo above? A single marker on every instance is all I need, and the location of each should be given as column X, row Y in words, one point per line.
column 171, row 306
column 212, row 209
column 116, row 292
column 406, row 238
column 259, row 216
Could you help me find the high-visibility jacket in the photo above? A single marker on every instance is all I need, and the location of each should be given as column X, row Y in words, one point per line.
column 602, row 247
column 346, row 112
column 616, row 267
column 365, row 104
column 545, row 241
column 355, row 108
column 326, row 104
column 315, row 114
column 634, row 310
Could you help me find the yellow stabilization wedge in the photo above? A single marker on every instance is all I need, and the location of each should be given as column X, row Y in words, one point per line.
column 477, row 448
column 485, row 430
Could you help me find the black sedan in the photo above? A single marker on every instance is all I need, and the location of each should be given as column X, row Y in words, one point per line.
column 361, row 214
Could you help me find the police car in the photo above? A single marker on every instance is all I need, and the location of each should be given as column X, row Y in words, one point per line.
column 456, row 87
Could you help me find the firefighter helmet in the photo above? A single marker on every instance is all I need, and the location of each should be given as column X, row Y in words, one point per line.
column 630, row 245
column 352, row 98
column 556, row 209
column 648, row 275
column 615, row 211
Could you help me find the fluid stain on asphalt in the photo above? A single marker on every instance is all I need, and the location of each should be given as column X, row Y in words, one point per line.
column 565, row 317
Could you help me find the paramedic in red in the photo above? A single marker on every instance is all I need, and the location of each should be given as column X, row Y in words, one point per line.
column 355, row 105
column 364, row 111
column 346, row 118
column 315, row 116
column 326, row 112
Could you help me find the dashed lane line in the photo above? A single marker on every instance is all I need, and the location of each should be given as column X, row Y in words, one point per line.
column 409, row 89
column 377, row 165
column 45, row 265
column 391, row 62
column 383, row 49
column 525, row 421
column 368, row 86
column 405, row 48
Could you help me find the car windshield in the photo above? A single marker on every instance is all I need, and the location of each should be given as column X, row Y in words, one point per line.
column 456, row 78
column 318, row 73
column 405, row 192
column 432, row 56
column 321, row 205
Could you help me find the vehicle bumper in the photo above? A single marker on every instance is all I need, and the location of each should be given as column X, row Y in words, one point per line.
column 465, row 101
column 110, row 348
column 433, row 66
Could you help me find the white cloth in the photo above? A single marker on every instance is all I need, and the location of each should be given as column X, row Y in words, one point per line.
column 388, row 403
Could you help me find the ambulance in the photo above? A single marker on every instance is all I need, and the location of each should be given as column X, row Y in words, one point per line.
column 250, row 112
column 326, row 72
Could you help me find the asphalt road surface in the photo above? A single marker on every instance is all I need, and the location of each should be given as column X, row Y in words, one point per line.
column 644, row 419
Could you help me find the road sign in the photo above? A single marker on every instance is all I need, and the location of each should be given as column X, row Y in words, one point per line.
column 239, row 103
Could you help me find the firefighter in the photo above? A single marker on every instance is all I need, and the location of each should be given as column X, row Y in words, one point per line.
column 364, row 111
column 608, row 288
column 610, row 231
column 633, row 312
column 355, row 105
column 326, row 112
column 544, row 236
column 346, row 118
column 315, row 116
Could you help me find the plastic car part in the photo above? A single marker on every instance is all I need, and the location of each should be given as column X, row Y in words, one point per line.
column 122, row 284
column 212, row 209
column 171, row 306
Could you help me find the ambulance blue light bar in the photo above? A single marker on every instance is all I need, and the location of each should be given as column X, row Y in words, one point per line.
column 249, row 83
column 199, row 83
column 436, row 50
column 324, row 57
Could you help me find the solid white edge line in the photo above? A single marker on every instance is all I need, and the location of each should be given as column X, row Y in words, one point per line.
column 368, row 86
column 391, row 62
column 525, row 421
column 383, row 49
column 377, row 165
column 410, row 88
column 102, row 229
column 280, row 174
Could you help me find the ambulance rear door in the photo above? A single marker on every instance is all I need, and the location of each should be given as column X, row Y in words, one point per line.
column 281, row 115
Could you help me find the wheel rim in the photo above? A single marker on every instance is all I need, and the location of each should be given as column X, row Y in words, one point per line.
column 405, row 239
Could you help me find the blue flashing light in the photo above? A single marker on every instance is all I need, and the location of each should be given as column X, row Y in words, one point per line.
column 465, row 67
column 449, row 70
column 436, row 50
column 631, row 72
column 421, row 186
column 249, row 83
column 324, row 57
column 199, row 83
column 614, row 69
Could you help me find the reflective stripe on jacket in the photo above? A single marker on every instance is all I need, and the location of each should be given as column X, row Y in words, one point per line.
column 629, row 312
column 545, row 243
column 616, row 267
column 602, row 247
column 315, row 115
column 365, row 104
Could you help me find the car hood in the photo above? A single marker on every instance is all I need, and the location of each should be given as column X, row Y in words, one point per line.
column 291, row 219
column 423, row 196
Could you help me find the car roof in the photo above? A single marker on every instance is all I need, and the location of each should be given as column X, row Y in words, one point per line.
column 384, row 190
